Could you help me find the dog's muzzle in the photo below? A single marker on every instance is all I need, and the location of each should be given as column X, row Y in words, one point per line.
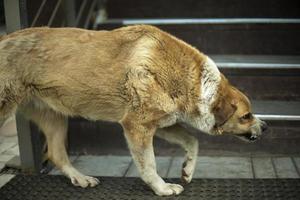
column 248, row 136
column 255, row 132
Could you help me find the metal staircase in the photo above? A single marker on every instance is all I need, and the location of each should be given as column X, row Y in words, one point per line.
column 255, row 44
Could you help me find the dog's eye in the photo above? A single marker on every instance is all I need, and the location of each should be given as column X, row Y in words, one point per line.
column 247, row 116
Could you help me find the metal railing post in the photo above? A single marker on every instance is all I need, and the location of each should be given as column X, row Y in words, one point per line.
column 15, row 15
column 29, row 143
column 69, row 10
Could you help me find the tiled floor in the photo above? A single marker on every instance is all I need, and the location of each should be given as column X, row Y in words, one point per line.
column 8, row 149
column 207, row 167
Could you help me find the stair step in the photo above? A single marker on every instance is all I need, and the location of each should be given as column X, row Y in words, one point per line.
column 258, row 65
column 263, row 77
column 231, row 36
column 266, row 86
column 277, row 110
column 202, row 9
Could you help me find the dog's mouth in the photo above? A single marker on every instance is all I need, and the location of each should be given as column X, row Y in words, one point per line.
column 248, row 137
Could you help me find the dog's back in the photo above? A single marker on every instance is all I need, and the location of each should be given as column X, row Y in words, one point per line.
column 67, row 69
column 93, row 74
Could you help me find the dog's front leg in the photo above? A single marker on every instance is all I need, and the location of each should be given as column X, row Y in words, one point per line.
column 178, row 135
column 139, row 139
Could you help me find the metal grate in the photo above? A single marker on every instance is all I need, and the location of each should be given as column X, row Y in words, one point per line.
column 58, row 187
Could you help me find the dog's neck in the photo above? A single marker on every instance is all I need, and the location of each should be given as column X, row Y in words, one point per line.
column 210, row 80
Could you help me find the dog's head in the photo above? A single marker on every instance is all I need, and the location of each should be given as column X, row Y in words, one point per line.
column 233, row 114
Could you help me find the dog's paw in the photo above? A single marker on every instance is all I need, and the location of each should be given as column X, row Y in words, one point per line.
column 78, row 179
column 168, row 189
column 84, row 181
column 187, row 171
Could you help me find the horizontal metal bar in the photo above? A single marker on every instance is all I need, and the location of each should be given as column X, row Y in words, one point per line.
column 258, row 65
column 278, row 117
column 205, row 21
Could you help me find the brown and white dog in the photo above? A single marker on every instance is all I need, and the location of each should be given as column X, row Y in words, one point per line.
column 139, row 76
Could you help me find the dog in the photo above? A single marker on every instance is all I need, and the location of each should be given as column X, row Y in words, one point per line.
column 139, row 76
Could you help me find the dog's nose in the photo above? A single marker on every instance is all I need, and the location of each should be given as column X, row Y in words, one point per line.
column 264, row 126
column 253, row 138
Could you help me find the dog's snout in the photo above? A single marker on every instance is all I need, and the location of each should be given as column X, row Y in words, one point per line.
column 253, row 138
column 264, row 126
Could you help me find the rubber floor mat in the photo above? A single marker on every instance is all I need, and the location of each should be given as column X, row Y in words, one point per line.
column 36, row 187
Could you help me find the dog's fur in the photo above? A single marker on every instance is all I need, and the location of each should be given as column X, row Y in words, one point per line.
column 139, row 76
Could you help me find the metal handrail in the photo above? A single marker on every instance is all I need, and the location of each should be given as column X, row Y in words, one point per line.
column 273, row 117
column 258, row 65
column 205, row 21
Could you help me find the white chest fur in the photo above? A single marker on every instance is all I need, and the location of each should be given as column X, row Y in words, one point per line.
column 210, row 80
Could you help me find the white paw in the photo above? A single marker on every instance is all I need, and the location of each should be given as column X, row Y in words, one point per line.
column 188, row 168
column 78, row 179
column 168, row 189
column 84, row 181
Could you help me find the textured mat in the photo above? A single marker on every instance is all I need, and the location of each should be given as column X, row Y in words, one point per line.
column 38, row 187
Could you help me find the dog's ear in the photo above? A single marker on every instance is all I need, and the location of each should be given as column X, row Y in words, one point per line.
column 223, row 110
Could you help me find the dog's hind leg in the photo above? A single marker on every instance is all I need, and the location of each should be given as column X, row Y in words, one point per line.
column 54, row 126
column 178, row 135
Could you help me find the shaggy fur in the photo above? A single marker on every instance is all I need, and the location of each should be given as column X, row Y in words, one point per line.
column 139, row 76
